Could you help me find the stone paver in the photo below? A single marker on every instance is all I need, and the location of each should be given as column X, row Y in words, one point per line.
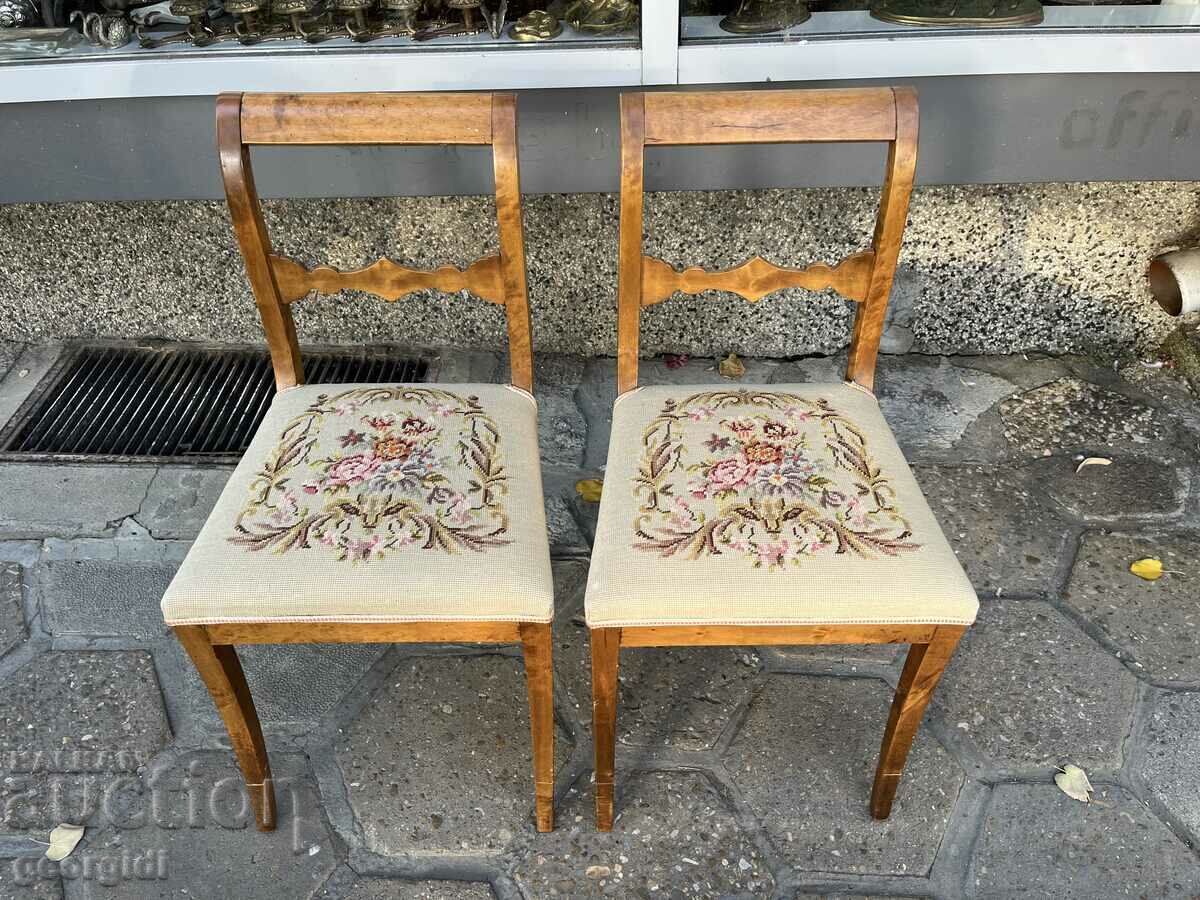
column 29, row 878
column 381, row 889
column 842, row 657
column 12, row 616
column 96, row 587
column 930, row 403
column 1169, row 761
column 565, row 536
column 9, row 351
column 291, row 683
column 1032, row 691
column 673, row 836
column 673, row 697
column 72, row 723
column 439, row 760
column 1070, row 415
column 180, row 499
column 804, row 759
column 562, row 430
column 1131, row 487
column 1037, row 842
column 1153, row 623
column 211, row 848
column 68, row 500
column 1005, row 539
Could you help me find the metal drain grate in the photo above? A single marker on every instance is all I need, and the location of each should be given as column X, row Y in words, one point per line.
column 174, row 402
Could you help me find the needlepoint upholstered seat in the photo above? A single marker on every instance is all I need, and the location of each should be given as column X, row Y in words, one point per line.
column 377, row 503
column 780, row 505
column 776, row 515
column 374, row 513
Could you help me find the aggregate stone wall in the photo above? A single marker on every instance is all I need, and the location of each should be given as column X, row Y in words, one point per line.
column 985, row 269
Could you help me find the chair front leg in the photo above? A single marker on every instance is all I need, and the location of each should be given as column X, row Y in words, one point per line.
column 922, row 670
column 539, row 676
column 606, row 648
column 222, row 673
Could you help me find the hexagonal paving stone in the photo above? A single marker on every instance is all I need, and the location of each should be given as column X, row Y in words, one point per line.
column 1070, row 414
column 439, row 761
column 1130, row 487
column 1168, row 756
column 190, row 826
column 1032, row 691
column 1007, row 542
column 386, row 889
column 71, row 724
column 678, row 697
column 930, row 403
column 29, row 878
column 673, row 837
column 12, row 615
column 804, row 760
column 292, row 684
column 1154, row 623
column 1037, row 842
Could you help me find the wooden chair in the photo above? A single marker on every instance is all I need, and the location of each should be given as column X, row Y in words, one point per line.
column 374, row 513
column 783, row 514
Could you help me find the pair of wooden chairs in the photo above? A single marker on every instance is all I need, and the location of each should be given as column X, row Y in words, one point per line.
column 413, row 513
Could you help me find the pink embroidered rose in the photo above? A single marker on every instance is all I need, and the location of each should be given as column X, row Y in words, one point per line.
column 351, row 470
column 728, row 474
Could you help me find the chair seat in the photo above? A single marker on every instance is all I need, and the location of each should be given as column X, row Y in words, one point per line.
column 788, row 505
column 377, row 503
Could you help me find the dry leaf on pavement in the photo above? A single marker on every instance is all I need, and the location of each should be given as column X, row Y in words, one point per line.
column 731, row 367
column 63, row 841
column 589, row 489
column 1150, row 568
column 1093, row 461
column 1073, row 782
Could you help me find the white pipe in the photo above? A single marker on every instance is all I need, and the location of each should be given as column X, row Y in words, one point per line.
column 1175, row 281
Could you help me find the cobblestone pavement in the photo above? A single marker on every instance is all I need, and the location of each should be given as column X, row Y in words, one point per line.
column 404, row 771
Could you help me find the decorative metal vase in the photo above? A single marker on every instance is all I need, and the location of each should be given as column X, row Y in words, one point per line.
column 975, row 13
column 765, row 16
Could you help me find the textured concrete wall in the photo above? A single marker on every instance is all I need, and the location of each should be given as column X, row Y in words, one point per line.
column 984, row 269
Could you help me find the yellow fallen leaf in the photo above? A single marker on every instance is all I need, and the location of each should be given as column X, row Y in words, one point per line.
column 63, row 841
column 1093, row 461
column 731, row 367
column 1150, row 568
column 1073, row 782
column 589, row 489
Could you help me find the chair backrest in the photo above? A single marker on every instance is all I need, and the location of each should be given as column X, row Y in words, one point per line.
column 246, row 120
column 763, row 117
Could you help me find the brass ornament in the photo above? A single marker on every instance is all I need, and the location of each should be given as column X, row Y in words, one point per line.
column 975, row 13
column 602, row 16
column 765, row 16
column 536, row 26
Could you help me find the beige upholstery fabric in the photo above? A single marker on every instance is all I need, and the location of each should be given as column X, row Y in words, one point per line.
column 378, row 503
column 788, row 504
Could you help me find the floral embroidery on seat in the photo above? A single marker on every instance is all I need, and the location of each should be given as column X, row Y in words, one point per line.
column 376, row 469
column 778, row 478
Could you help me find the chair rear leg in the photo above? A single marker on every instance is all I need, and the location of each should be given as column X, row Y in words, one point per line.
column 606, row 646
column 922, row 670
column 539, row 676
column 221, row 671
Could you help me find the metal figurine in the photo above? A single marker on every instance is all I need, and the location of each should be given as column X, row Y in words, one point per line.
column 602, row 16
column 765, row 16
column 106, row 29
column 535, row 26
column 355, row 22
column 199, row 32
column 976, row 13
column 399, row 17
column 19, row 14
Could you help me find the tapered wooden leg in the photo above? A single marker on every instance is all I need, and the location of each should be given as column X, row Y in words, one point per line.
column 922, row 670
column 606, row 645
column 539, row 677
column 221, row 671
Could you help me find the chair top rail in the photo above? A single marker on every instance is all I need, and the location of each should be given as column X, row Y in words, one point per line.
column 766, row 117
column 325, row 119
